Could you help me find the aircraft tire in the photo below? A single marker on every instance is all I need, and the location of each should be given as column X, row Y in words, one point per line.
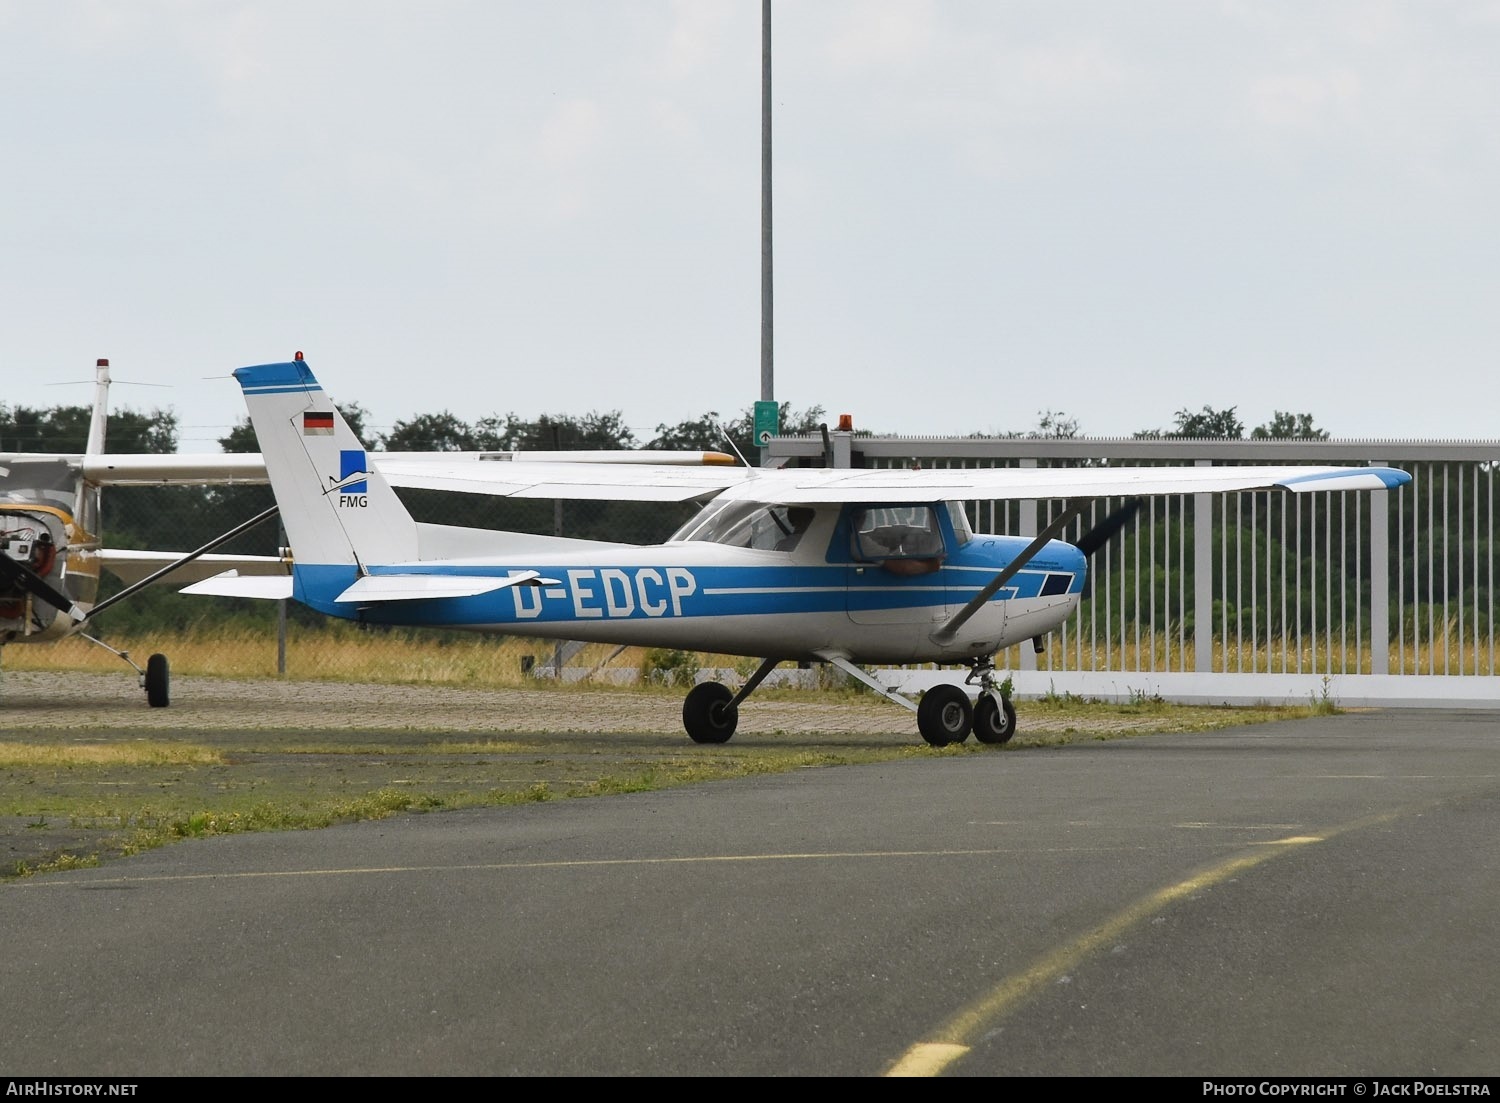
column 158, row 680
column 944, row 715
column 994, row 719
column 706, row 715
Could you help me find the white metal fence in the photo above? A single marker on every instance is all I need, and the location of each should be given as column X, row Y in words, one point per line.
column 1384, row 598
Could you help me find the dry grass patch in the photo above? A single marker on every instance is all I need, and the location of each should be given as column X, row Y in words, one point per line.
column 15, row 756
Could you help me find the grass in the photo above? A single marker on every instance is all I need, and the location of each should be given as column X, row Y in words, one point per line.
column 338, row 651
column 15, row 756
column 334, row 652
column 88, row 796
column 78, row 802
column 1454, row 653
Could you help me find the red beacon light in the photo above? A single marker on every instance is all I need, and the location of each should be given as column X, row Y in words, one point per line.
column 298, row 356
column 846, row 423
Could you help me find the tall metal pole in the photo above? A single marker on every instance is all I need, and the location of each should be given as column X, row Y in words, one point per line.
column 767, row 374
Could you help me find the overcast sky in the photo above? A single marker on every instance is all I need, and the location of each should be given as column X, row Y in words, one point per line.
column 983, row 210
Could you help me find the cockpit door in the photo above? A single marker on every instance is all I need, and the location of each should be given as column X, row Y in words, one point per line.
column 896, row 557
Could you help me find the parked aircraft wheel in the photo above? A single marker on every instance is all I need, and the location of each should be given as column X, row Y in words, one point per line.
column 157, row 679
column 706, row 713
column 944, row 715
column 994, row 719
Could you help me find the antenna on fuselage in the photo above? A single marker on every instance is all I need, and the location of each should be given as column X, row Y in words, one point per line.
column 719, row 425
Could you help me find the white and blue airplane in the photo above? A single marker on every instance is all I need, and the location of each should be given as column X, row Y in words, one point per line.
column 839, row 566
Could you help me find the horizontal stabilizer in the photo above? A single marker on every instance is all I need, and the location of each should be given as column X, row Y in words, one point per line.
column 414, row 587
column 233, row 584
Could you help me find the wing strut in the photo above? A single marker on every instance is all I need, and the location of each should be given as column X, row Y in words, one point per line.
column 947, row 632
column 264, row 515
column 853, row 671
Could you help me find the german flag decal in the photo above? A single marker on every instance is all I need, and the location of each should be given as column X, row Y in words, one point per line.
column 317, row 425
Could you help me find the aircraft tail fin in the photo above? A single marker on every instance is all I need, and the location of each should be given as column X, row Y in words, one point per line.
column 336, row 507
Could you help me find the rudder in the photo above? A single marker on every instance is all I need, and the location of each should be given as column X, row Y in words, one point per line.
column 336, row 508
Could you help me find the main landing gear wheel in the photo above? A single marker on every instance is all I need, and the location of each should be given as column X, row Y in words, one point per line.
column 157, row 680
column 707, row 714
column 994, row 719
column 944, row 715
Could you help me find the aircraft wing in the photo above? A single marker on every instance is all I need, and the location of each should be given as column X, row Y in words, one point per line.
column 812, row 486
column 641, row 475
column 132, row 566
column 632, row 482
column 173, row 468
column 240, row 468
column 649, row 456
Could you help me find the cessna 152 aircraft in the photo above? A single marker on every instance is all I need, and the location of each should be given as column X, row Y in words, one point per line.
column 50, row 553
column 50, row 556
column 830, row 565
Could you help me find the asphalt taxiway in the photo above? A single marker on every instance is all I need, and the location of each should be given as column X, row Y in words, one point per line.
column 1304, row 898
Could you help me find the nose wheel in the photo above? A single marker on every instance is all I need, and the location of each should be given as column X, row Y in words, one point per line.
column 994, row 715
column 155, row 679
column 994, row 718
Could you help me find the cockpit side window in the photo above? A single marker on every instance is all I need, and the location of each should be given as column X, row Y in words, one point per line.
column 897, row 532
column 750, row 525
column 793, row 522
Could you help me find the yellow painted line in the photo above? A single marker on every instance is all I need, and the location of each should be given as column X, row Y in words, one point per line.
column 954, row 1038
column 928, row 1059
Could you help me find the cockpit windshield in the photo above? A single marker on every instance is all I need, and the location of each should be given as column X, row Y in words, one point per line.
column 959, row 517
column 749, row 525
column 39, row 482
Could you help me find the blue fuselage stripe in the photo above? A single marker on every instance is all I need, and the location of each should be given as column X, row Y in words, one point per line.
column 589, row 593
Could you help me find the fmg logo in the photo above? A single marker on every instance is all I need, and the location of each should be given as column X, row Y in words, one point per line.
column 352, row 491
column 352, row 462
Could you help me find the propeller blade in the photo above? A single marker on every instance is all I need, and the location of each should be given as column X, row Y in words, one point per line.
column 1105, row 531
column 38, row 587
column 1102, row 533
